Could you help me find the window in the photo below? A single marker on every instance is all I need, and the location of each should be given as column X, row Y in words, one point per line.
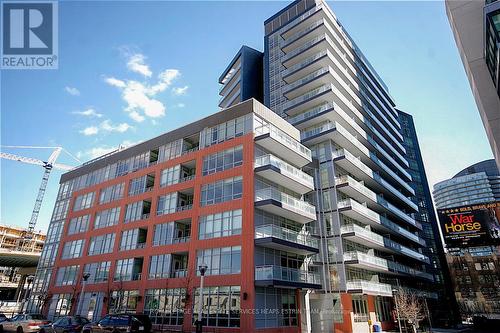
column 111, row 193
column 66, row 276
column 78, row 224
column 83, row 201
column 137, row 211
column 141, row 184
column 123, row 301
column 221, row 191
column 383, row 308
column 360, row 308
column 159, row 267
column 132, row 239
column 165, row 306
column 225, row 131
column 222, row 306
column 171, row 233
column 72, row 249
column 107, row 218
column 101, row 244
column 60, row 305
column 170, row 150
column 170, row 176
column 220, row 224
column 225, row 260
column 167, row 204
column 276, row 307
column 99, row 271
column 223, row 160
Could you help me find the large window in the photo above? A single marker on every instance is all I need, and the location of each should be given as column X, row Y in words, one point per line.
column 360, row 308
column 78, row 224
column 107, row 218
column 220, row 224
column 223, row 160
column 225, row 260
column 124, row 301
column 275, row 307
column 111, row 193
column 170, row 150
column 225, row 131
column 170, row 176
column 165, row 306
column 222, row 306
column 141, row 184
column 101, row 244
column 73, row 249
column 128, row 269
column 171, row 233
column 167, row 204
column 159, row 267
column 221, row 191
column 383, row 308
column 99, row 271
column 132, row 239
column 137, row 211
column 66, row 276
column 83, row 201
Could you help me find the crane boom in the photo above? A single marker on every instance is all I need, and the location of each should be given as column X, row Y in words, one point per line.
column 18, row 158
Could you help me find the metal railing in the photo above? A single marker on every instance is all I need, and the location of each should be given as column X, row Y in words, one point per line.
column 302, row 32
column 362, row 232
column 304, row 63
column 272, row 272
column 308, row 95
column 305, row 79
column 311, row 113
column 359, row 208
column 357, row 185
column 369, row 286
column 364, row 257
column 295, row 204
column 285, row 168
column 284, row 139
column 271, row 230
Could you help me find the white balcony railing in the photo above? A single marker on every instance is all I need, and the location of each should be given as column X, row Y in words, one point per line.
column 285, row 168
column 369, row 286
column 297, row 205
column 365, row 258
column 271, row 230
column 271, row 272
column 284, row 139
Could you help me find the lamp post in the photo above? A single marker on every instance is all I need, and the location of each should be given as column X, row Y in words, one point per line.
column 199, row 325
column 394, row 291
column 85, row 277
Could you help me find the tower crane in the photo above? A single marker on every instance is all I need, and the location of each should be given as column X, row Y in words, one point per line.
column 48, row 166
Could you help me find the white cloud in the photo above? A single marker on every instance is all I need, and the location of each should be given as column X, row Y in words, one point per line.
column 91, row 130
column 115, row 82
column 136, row 64
column 180, row 105
column 180, row 90
column 140, row 97
column 95, row 152
column 106, row 126
column 72, row 91
column 88, row 113
column 120, row 128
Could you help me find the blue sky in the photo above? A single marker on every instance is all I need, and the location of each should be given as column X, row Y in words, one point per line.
column 129, row 71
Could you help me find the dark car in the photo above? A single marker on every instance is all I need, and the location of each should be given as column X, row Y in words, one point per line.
column 2, row 317
column 123, row 322
column 66, row 324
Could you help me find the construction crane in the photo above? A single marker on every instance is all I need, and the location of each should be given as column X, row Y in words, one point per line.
column 48, row 166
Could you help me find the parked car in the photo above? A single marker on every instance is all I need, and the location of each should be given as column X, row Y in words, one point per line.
column 123, row 322
column 23, row 323
column 66, row 324
column 2, row 317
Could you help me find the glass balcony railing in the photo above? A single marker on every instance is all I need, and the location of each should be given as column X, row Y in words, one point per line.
column 369, row 286
column 286, row 169
column 345, row 179
column 284, row 139
column 400, row 230
column 271, row 230
column 359, row 208
column 306, row 79
column 304, row 63
column 297, row 205
column 366, row 258
column 271, row 272
column 311, row 113
column 367, row 234
column 303, row 47
column 353, row 159
column 302, row 32
column 308, row 95
column 227, row 79
column 230, row 89
column 397, row 211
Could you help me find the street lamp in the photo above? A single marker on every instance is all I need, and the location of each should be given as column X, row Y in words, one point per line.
column 199, row 326
column 85, row 277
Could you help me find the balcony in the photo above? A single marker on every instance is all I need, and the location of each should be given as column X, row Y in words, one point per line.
column 284, row 174
column 358, row 212
column 313, row 30
column 270, row 275
column 369, row 288
column 355, row 190
column 311, row 81
column 276, row 202
column 312, row 116
column 309, row 99
column 365, row 261
column 363, row 236
column 279, row 238
column 319, row 60
column 281, row 144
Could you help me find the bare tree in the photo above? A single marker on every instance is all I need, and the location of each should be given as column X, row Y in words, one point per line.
column 410, row 307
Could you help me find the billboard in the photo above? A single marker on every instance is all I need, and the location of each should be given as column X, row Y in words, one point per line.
column 472, row 225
